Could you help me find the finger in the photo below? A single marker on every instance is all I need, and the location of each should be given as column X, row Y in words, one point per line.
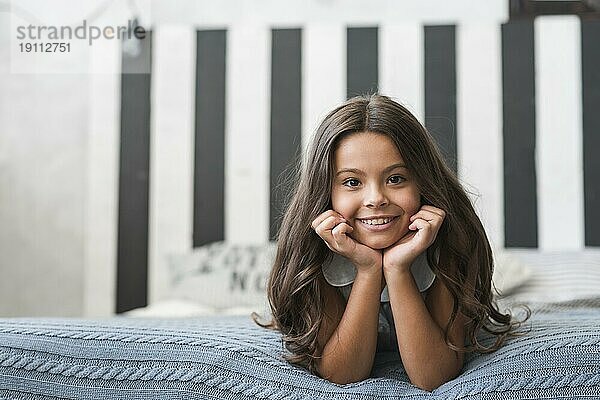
column 427, row 216
column 434, row 210
column 340, row 232
column 323, row 216
column 433, row 222
column 325, row 224
column 419, row 224
column 336, row 238
column 325, row 227
column 320, row 218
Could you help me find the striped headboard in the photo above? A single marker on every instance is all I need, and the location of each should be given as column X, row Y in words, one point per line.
column 192, row 152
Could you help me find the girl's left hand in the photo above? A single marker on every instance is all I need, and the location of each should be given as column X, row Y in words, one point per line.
column 424, row 227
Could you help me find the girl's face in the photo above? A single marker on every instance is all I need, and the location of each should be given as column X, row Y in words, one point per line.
column 373, row 190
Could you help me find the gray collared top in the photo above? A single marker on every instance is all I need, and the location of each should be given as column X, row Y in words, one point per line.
column 340, row 272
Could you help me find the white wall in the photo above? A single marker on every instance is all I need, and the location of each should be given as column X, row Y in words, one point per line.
column 58, row 135
column 43, row 135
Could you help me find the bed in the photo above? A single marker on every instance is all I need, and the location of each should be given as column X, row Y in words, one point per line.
column 151, row 356
column 198, row 345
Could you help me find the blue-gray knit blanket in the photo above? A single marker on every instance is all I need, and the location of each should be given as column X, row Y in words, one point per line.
column 232, row 358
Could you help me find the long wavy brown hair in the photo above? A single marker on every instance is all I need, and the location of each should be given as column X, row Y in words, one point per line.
column 465, row 263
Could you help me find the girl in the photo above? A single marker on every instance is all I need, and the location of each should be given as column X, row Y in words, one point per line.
column 381, row 249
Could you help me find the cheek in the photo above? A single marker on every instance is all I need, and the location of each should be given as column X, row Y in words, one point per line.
column 342, row 204
column 412, row 204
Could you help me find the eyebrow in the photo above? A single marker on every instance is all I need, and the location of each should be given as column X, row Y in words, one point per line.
column 358, row 171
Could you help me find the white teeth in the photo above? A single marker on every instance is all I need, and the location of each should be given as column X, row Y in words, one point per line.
column 379, row 221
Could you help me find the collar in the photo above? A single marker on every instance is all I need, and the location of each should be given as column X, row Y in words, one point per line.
column 341, row 272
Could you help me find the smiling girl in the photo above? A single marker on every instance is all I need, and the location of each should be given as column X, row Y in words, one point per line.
column 380, row 249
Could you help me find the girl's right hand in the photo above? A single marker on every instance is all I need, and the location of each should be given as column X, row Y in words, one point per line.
column 334, row 230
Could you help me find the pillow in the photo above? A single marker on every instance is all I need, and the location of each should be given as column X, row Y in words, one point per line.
column 171, row 308
column 222, row 275
column 176, row 308
column 558, row 276
column 509, row 272
column 230, row 278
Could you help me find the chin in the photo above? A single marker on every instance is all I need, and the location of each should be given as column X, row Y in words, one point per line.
column 379, row 244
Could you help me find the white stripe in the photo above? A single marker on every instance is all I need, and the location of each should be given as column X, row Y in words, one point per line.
column 401, row 65
column 323, row 74
column 247, row 134
column 100, row 253
column 171, row 151
column 299, row 12
column 559, row 133
column 479, row 111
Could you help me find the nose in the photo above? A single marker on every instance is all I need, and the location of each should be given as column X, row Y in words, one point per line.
column 375, row 197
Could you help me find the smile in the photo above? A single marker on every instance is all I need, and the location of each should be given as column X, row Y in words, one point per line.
column 379, row 221
column 377, row 225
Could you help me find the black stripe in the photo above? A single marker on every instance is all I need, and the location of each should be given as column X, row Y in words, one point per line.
column 590, row 54
column 535, row 8
column 518, row 85
column 440, row 89
column 361, row 61
column 209, row 148
column 134, row 173
column 286, row 133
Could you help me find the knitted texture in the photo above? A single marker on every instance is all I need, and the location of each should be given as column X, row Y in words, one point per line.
column 232, row 358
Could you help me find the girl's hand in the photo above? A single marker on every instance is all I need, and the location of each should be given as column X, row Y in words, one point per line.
column 333, row 229
column 424, row 227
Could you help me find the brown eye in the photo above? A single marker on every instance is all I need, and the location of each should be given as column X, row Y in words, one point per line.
column 396, row 179
column 352, row 183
